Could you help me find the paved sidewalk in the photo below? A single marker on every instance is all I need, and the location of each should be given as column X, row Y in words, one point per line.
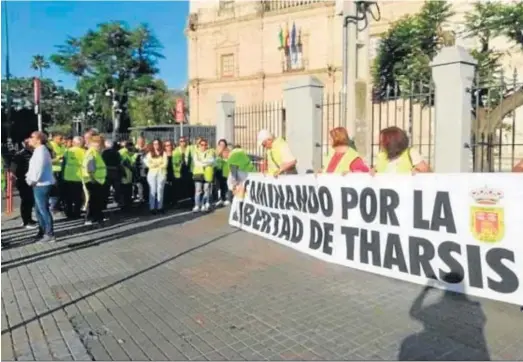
column 182, row 287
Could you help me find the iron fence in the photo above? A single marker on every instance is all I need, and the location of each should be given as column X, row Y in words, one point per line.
column 497, row 138
column 171, row 133
column 248, row 120
column 331, row 116
column 410, row 108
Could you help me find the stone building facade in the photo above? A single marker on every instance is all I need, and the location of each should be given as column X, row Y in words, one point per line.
column 234, row 47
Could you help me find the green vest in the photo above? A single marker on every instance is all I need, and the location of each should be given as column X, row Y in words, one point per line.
column 58, row 153
column 239, row 158
column 74, row 158
column 177, row 159
column 345, row 162
column 207, row 172
column 100, row 172
column 404, row 164
column 127, row 162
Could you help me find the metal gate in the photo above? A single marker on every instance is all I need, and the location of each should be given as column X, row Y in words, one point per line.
column 250, row 119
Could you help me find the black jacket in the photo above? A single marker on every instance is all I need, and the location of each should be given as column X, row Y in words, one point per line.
column 20, row 164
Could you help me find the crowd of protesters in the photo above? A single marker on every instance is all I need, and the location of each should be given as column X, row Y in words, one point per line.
column 81, row 174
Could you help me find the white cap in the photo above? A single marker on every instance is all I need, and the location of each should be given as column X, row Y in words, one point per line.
column 263, row 136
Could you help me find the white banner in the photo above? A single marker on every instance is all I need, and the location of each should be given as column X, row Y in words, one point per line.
column 461, row 232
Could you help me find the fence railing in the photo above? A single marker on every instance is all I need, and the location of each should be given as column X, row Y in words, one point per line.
column 250, row 119
column 331, row 116
column 169, row 134
column 497, row 135
column 410, row 109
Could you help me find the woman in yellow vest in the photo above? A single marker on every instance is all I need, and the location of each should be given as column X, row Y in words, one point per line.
column 73, row 188
column 94, row 173
column 280, row 160
column 396, row 156
column 182, row 166
column 203, row 176
column 156, row 163
column 343, row 159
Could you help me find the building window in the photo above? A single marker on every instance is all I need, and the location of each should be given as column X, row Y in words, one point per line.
column 226, row 4
column 227, row 65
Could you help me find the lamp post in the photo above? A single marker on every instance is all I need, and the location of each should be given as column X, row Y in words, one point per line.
column 115, row 112
column 8, row 74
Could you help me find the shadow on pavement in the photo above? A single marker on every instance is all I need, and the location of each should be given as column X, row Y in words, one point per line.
column 117, row 282
column 453, row 318
column 163, row 221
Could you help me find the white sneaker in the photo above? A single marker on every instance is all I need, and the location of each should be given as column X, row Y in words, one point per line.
column 206, row 207
column 219, row 203
column 226, row 203
column 196, row 209
column 88, row 223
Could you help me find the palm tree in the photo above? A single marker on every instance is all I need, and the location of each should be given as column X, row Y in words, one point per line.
column 39, row 63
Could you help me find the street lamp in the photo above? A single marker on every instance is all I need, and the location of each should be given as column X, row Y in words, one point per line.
column 115, row 111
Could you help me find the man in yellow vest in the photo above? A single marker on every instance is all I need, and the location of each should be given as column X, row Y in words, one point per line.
column 203, row 176
column 280, row 160
column 182, row 166
column 72, row 177
column 57, row 148
column 94, row 173
column 221, row 173
column 126, row 188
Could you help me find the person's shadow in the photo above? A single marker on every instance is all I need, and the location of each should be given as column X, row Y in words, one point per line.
column 453, row 328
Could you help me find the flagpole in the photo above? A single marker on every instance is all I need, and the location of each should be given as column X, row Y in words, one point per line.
column 8, row 73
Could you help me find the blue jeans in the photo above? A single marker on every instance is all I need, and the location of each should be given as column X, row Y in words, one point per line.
column 156, row 181
column 43, row 214
column 204, row 188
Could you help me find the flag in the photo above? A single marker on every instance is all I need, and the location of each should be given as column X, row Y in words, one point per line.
column 280, row 37
column 293, row 35
column 285, row 37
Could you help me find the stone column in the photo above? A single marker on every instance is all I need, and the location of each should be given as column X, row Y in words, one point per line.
column 303, row 99
column 225, row 118
column 453, row 73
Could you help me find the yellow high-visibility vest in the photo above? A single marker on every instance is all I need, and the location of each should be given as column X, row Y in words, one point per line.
column 207, row 172
column 58, row 152
column 404, row 164
column 344, row 165
column 74, row 159
column 100, row 172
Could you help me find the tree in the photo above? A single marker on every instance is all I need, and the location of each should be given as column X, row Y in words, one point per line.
column 151, row 108
column 411, row 43
column 39, row 63
column 59, row 107
column 404, row 55
column 112, row 56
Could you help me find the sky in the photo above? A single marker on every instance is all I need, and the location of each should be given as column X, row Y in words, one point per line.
column 37, row 27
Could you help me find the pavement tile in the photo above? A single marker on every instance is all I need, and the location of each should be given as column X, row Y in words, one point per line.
column 189, row 287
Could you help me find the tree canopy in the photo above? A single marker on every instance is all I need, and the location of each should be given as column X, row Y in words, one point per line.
column 39, row 63
column 402, row 65
column 58, row 106
column 112, row 56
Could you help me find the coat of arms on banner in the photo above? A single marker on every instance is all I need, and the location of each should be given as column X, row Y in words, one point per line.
column 486, row 215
